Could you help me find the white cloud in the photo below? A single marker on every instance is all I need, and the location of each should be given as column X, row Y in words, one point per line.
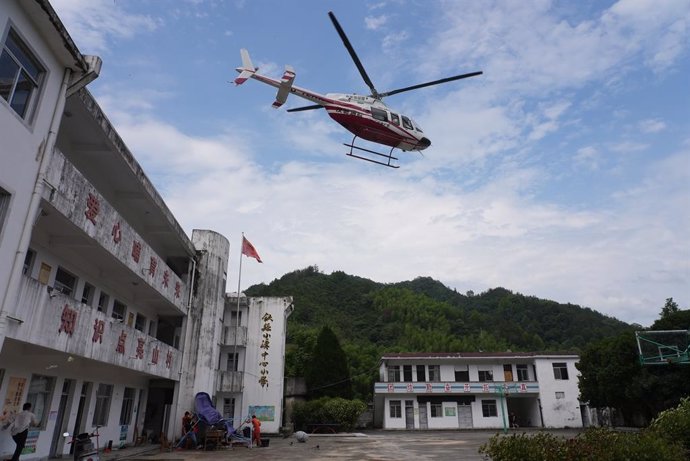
column 375, row 22
column 92, row 23
column 651, row 125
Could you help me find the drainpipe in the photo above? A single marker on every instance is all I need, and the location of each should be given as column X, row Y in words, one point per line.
column 45, row 154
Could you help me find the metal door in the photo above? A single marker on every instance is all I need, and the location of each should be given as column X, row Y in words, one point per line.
column 57, row 443
column 409, row 414
column 423, row 422
column 464, row 416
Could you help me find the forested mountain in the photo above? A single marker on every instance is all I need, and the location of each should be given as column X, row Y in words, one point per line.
column 423, row 315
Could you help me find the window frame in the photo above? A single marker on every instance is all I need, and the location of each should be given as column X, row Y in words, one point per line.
column 63, row 287
column 393, row 374
column 138, row 324
column 436, row 409
column 519, row 369
column 482, row 376
column 395, row 408
column 434, row 373
column 101, row 410
column 116, row 315
column 379, row 114
column 87, row 291
column 560, row 371
column 36, row 81
column 127, row 406
column 29, row 258
column 41, row 410
column 489, row 408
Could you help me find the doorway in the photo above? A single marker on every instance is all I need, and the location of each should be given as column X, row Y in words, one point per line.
column 58, row 441
column 409, row 414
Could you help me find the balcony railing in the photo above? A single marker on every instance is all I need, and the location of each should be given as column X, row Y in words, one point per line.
column 234, row 335
column 59, row 322
column 473, row 387
column 229, row 381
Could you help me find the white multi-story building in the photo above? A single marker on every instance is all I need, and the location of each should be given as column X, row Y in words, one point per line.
column 477, row 390
column 110, row 315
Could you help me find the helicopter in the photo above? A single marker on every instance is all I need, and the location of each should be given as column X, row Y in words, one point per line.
column 366, row 117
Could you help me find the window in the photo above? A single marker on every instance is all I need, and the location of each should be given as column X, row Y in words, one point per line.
column 393, row 374
column 119, row 310
column 406, row 123
column 379, row 114
column 395, row 119
column 436, row 410
column 30, row 254
column 522, row 374
column 235, row 318
column 40, row 395
column 560, row 370
column 486, row 375
column 407, row 373
column 140, row 323
column 231, row 364
column 127, row 405
column 421, row 373
column 87, row 294
column 462, row 374
column 103, row 395
column 152, row 328
column 5, row 204
column 20, row 75
column 560, row 395
column 434, row 373
column 103, row 301
column 228, row 408
column 395, row 409
column 489, row 408
column 64, row 281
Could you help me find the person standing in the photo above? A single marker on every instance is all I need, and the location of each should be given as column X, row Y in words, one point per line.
column 20, row 429
column 256, row 424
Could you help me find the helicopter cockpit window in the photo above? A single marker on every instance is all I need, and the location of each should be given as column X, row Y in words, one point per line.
column 406, row 123
column 418, row 128
column 379, row 114
column 395, row 119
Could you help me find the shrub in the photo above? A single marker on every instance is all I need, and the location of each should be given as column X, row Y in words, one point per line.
column 593, row 444
column 328, row 410
column 674, row 424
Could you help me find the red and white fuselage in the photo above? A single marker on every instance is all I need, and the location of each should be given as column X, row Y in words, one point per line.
column 364, row 116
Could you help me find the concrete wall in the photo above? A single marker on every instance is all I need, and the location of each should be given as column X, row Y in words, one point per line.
column 563, row 412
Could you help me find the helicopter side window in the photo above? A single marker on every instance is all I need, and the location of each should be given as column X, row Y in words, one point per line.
column 406, row 123
column 395, row 119
column 379, row 114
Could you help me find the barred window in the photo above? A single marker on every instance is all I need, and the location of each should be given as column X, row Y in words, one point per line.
column 103, row 396
column 489, row 408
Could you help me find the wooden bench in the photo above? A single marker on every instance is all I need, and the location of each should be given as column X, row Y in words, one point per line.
column 323, row 428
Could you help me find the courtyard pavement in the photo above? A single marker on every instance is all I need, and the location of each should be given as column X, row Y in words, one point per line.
column 370, row 445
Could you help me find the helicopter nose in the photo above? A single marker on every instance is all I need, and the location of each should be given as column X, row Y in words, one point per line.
column 424, row 143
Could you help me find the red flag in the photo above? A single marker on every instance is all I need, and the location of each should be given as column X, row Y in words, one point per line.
column 249, row 250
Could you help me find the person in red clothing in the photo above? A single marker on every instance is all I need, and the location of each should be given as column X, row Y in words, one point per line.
column 256, row 425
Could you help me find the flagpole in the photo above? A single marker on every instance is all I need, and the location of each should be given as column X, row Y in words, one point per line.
column 237, row 321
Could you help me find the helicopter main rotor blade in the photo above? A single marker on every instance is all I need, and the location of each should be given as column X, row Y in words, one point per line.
column 300, row 109
column 435, row 82
column 354, row 56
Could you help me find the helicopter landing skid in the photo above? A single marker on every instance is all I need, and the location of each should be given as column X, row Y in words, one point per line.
column 388, row 156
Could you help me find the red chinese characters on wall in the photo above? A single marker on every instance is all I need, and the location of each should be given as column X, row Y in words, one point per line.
column 153, row 263
column 98, row 328
column 92, row 208
column 120, row 349
column 140, row 348
column 178, row 288
column 154, row 355
column 166, row 278
column 136, row 250
column 168, row 359
column 68, row 320
column 116, row 233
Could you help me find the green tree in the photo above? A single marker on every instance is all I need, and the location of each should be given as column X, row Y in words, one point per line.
column 328, row 375
column 670, row 308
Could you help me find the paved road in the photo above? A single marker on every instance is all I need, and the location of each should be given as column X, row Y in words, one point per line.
column 375, row 445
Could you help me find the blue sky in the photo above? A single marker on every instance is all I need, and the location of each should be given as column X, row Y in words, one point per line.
column 563, row 172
